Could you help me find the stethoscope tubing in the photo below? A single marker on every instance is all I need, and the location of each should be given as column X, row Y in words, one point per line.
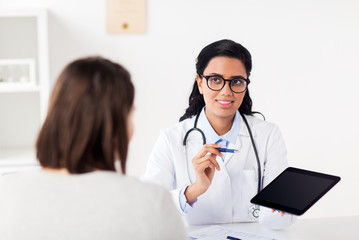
column 256, row 153
column 195, row 128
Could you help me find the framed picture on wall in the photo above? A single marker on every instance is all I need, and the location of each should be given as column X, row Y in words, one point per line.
column 17, row 72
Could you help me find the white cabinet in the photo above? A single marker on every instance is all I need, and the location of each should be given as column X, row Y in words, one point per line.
column 24, row 85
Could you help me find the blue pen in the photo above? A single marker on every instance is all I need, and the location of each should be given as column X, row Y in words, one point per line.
column 233, row 238
column 228, row 150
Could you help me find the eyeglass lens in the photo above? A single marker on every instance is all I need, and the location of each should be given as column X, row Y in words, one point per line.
column 216, row 83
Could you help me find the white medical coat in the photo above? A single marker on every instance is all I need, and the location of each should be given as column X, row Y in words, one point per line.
column 228, row 198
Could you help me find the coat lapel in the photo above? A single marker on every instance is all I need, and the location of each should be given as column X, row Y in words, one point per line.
column 241, row 143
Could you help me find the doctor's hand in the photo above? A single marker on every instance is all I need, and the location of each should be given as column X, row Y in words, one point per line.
column 280, row 212
column 204, row 164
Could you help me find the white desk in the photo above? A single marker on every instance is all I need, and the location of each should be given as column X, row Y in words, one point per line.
column 336, row 228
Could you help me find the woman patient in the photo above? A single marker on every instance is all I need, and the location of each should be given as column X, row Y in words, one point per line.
column 78, row 194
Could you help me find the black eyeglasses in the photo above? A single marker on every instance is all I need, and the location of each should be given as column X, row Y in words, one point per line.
column 216, row 83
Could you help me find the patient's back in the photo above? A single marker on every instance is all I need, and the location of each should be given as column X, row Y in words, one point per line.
column 97, row 205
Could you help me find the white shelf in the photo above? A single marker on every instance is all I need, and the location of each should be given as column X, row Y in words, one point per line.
column 17, row 159
column 31, row 25
column 17, row 156
column 14, row 88
column 24, row 93
column 24, row 12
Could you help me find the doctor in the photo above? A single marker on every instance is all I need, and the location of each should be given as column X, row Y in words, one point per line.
column 210, row 186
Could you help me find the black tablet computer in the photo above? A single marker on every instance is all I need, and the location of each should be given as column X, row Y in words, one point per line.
column 295, row 190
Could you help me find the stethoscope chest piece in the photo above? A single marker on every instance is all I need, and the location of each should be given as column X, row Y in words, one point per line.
column 253, row 211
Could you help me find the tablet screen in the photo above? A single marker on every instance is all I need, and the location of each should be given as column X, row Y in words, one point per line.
column 295, row 190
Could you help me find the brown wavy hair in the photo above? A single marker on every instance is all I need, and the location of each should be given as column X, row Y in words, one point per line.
column 87, row 118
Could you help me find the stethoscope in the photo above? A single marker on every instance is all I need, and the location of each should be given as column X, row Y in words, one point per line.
column 253, row 210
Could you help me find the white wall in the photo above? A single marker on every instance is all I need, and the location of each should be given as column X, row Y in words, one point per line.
column 305, row 71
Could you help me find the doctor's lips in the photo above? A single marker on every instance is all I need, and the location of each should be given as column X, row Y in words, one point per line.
column 228, row 150
column 224, row 103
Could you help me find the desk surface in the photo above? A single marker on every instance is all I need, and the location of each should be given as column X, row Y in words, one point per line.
column 309, row 229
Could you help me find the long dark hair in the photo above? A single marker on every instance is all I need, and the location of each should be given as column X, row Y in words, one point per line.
column 221, row 48
column 87, row 118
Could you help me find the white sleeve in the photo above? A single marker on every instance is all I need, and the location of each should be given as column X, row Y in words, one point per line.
column 160, row 168
column 275, row 162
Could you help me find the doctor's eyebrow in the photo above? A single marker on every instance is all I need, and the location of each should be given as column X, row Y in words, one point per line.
column 220, row 75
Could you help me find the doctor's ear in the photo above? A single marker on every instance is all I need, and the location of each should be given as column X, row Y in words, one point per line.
column 199, row 83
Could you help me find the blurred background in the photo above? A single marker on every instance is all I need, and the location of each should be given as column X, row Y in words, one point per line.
column 305, row 74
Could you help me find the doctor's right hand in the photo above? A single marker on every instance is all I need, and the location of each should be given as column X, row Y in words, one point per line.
column 204, row 164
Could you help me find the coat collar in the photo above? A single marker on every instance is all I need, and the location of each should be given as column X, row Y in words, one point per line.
column 212, row 136
column 243, row 131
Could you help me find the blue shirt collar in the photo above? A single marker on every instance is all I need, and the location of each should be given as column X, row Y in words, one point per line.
column 212, row 136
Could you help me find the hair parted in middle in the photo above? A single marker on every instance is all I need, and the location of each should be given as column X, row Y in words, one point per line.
column 221, row 48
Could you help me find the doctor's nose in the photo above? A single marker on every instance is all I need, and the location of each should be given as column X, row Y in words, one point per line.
column 226, row 90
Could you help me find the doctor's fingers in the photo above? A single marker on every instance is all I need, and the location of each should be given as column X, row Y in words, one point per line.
column 201, row 167
column 207, row 158
column 280, row 212
column 209, row 148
